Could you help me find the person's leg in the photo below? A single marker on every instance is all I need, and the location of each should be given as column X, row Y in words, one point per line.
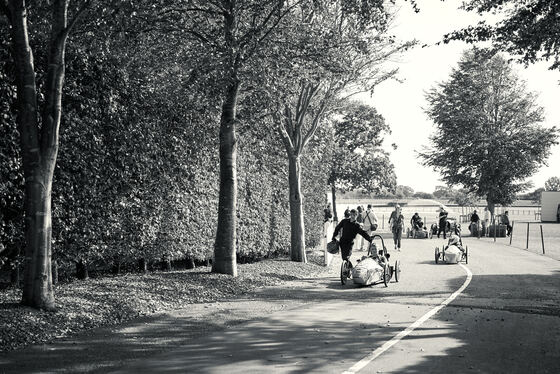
column 395, row 235
column 346, row 252
column 399, row 239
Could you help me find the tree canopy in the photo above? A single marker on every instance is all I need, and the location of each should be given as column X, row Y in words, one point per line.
column 526, row 28
column 552, row 184
column 489, row 136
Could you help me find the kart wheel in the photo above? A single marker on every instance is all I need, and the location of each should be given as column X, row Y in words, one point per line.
column 436, row 254
column 344, row 272
column 386, row 276
column 466, row 255
column 430, row 235
column 397, row 271
column 407, row 233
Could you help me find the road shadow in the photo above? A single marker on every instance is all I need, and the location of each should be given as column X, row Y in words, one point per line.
column 496, row 325
column 500, row 324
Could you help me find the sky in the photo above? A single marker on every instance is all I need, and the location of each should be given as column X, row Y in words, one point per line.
column 402, row 103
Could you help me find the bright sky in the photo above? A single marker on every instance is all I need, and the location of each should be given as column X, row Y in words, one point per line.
column 421, row 68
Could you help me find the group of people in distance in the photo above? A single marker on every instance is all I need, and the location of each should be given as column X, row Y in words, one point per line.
column 478, row 224
column 362, row 222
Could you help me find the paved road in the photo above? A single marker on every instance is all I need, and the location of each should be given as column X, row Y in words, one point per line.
column 507, row 320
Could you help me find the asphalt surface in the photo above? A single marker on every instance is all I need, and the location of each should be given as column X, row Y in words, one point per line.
column 506, row 320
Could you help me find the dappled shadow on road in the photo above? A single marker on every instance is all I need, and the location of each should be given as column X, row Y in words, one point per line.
column 500, row 324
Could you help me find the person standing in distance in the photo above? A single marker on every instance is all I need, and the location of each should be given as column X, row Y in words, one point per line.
column 396, row 222
column 442, row 221
column 370, row 222
column 328, row 213
column 486, row 221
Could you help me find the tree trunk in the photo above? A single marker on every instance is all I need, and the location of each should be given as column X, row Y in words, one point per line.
column 491, row 209
column 15, row 276
column 166, row 264
column 226, row 235
column 116, row 267
column 39, row 146
column 335, row 214
column 296, row 211
column 82, row 271
column 142, row 265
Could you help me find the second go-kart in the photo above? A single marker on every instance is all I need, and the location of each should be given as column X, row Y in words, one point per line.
column 453, row 252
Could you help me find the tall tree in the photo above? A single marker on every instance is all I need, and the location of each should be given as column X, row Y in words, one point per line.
column 488, row 134
column 38, row 123
column 358, row 161
column 552, row 184
column 332, row 53
column 232, row 32
column 527, row 28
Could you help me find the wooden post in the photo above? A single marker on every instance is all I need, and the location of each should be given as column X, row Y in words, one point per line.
column 383, row 221
column 495, row 228
column 542, row 241
column 511, row 233
column 527, row 246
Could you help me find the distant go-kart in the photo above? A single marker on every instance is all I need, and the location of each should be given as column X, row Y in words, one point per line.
column 451, row 227
column 417, row 232
column 373, row 268
column 453, row 252
column 475, row 229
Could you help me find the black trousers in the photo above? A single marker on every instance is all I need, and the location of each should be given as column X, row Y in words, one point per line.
column 441, row 228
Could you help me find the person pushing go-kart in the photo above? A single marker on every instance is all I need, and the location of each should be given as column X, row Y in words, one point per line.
column 350, row 228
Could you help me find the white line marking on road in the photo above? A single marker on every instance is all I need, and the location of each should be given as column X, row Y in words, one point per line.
column 373, row 355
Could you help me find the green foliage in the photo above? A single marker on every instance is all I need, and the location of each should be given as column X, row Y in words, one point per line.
column 423, row 195
column 552, row 184
column 11, row 176
column 528, row 29
column 488, row 138
column 463, row 197
column 534, row 196
column 357, row 160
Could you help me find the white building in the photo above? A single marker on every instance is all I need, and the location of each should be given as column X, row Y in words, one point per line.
column 550, row 206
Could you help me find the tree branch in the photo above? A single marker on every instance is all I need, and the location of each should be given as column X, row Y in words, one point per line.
column 80, row 11
column 282, row 130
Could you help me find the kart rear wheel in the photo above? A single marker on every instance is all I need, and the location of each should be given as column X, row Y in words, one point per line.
column 344, row 272
column 430, row 235
column 397, row 271
column 466, row 255
column 386, row 276
column 436, row 254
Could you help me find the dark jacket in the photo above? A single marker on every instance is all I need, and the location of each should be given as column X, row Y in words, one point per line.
column 442, row 217
column 475, row 217
column 349, row 231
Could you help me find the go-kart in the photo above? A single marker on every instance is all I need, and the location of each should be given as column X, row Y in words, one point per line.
column 475, row 229
column 373, row 268
column 417, row 232
column 453, row 252
column 451, row 227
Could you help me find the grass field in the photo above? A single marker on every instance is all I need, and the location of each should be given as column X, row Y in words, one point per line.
column 550, row 236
